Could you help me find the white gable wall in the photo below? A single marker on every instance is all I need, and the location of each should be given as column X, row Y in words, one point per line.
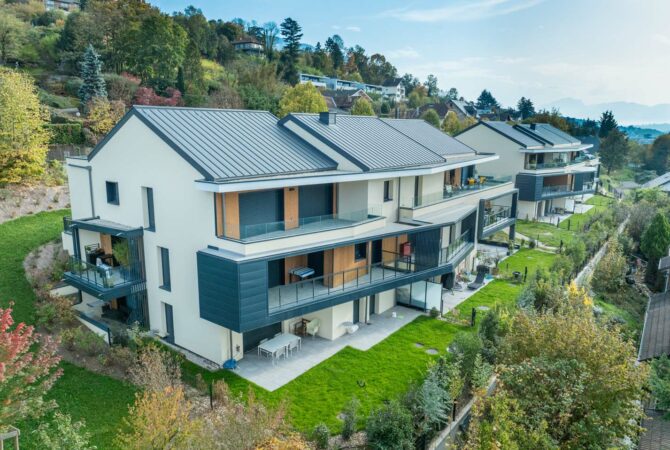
column 484, row 139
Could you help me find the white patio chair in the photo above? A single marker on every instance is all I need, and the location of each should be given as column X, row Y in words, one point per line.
column 263, row 341
column 279, row 353
column 293, row 346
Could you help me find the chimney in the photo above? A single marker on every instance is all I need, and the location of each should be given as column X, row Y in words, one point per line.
column 532, row 126
column 327, row 117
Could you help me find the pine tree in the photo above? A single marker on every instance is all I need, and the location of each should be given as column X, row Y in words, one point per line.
column 292, row 33
column 607, row 124
column 93, row 83
column 613, row 150
column 526, row 108
column 654, row 244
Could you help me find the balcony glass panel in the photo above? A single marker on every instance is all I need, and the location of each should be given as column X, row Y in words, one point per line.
column 497, row 214
column 474, row 184
column 284, row 228
column 103, row 276
column 555, row 164
column 454, row 249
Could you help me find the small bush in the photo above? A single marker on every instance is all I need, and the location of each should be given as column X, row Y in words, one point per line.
column 320, row 436
column 531, row 244
column 466, row 346
column 434, row 312
column 72, row 86
column 83, row 341
column 121, row 357
column 54, row 312
column 66, row 133
column 350, row 418
column 390, row 427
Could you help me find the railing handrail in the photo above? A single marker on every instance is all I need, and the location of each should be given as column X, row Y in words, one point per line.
column 437, row 197
column 555, row 163
column 99, row 275
column 248, row 231
column 67, row 224
column 454, row 247
column 503, row 212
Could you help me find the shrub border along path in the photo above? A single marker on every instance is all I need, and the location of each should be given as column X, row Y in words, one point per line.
column 383, row 372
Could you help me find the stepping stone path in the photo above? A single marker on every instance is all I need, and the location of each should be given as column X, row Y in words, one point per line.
column 432, row 351
column 483, row 308
column 418, row 345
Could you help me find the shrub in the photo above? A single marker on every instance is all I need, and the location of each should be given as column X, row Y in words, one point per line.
column 53, row 312
column 320, row 436
column 72, row 86
column 434, row 312
column 121, row 357
column 390, row 427
column 155, row 369
column 350, row 418
column 62, row 433
column 84, row 341
column 120, row 88
column 66, row 133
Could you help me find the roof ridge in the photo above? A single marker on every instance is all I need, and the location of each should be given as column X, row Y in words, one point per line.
column 411, row 138
column 190, row 108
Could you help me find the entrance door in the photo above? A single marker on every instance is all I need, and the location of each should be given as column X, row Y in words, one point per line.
column 169, row 324
column 357, row 306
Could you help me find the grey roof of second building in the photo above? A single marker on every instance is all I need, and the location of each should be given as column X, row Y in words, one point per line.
column 509, row 131
column 658, row 181
column 430, row 137
column 227, row 144
column 369, row 142
column 655, row 340
column 551, row 134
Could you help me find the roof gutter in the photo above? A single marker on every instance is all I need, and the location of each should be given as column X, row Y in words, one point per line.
column 308, row 180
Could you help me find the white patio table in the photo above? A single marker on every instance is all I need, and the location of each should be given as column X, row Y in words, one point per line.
column 275, row 344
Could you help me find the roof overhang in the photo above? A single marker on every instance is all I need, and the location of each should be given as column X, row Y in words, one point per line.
column 576, row 148
column 107, row 227
column 334, row 176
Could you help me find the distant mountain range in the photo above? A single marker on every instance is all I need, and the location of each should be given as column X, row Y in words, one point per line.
column 626, row 113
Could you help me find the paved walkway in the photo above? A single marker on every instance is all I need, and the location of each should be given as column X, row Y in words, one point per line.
column 580, row 208
column 259, row 369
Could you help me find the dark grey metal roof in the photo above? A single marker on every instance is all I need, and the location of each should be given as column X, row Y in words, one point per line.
column 224, row 144
column 369, row 142
column 509, row 131
column 429, row 136
column 658, row 181
column 550, row 133
column 656, row 333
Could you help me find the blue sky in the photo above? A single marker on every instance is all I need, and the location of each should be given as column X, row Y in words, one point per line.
column 592, row 50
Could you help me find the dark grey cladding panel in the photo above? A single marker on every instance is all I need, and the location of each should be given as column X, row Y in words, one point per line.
column 218, row 288
column 427, row 248
column 530, row 187
column 253, row 294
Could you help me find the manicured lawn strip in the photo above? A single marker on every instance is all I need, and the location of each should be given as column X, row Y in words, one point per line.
column 576, row 221
column 99, row 400
column 18, row 238
column 102, row 402
column 546, row 233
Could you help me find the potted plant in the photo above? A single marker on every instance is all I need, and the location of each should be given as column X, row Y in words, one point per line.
column 121, row 252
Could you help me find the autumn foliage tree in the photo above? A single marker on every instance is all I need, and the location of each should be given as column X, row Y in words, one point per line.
column 23, row 137
column 302, row 98
column 27, row 362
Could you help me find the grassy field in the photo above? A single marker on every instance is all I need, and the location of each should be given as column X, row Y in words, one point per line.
column 599, row 202
column 546, row 233
column 381, row 373
column 99, row 400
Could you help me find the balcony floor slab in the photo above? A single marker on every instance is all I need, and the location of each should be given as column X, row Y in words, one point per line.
column 259, row 369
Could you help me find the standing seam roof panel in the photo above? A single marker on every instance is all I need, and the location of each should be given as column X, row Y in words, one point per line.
column 429, row 136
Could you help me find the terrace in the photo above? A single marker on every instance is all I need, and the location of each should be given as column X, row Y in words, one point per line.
column 449, row 192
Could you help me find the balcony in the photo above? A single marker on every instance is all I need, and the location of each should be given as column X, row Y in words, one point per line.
column 555, row 164
column 450, row 192
column 496, row 216
column 565, row 190
column 303, row 225
column 392, row 267
column 102, row 281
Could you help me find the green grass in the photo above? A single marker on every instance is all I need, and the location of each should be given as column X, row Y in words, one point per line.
column 546, row 233
column 101, row 401
column 576, row 221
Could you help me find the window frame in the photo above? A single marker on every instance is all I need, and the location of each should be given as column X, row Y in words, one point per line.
column 388, row 190
column 148, row 203
column 360, row 256
column 165, row 277
column 112, row 187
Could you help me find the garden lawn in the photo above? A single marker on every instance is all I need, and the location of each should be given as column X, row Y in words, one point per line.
column 546, row 233
column 576, row 221
column 99, row 400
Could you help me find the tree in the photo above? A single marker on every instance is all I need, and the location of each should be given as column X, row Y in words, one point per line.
column 659, row 381
column 431, row 117
column 302, row 98
column 103, row 115
column 269, row 34
column 607, row 124
column 62, row 433
column 654, row 244
column 93, row 84
column 486, row 100
column 660, row 151
column 362, row 107
column 333, row 46
column 526, row 108
column 613, row 150
column 390, row 427
column 23, row 136
column 609, row 275
column 566, row 370
column 193, row 89
column 12, row 32
column 27, row 361
column 452, row 93
column 409, row 82
column 553, row 118
column 159, row 419
column 292, row 33
column 431, row 85
column 451, row 124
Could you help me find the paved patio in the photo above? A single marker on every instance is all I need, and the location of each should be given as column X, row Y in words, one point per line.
column 259, row 370
column 579, row 209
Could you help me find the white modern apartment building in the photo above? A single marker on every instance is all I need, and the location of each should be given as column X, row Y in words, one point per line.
column 391, row 89
column 219, row 228
column 551, row 169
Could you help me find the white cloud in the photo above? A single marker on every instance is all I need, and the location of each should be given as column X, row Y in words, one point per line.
column 661, row 39
column 405, row 52
column 353, row 28
column 462, row 11
column 335, row 27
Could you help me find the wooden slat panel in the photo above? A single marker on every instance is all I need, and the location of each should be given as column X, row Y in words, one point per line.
column 232, row 207
column 218, row 202
column 106, row 243
column 290, row 263
column 457, row 177
column 291, row 212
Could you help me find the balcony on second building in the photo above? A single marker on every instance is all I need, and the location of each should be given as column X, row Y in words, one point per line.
column 545, row 187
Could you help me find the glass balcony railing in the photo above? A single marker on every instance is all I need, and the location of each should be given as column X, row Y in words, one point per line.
column 555, row 189
column 473, row 184
column 454, row 248
column 498, row 214
column 303, row 225
column 555, row 164
column 67, row 225
column 102, row 276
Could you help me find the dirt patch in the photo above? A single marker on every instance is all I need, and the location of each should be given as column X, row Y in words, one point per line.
column 39, row 264
column 357, row 441
column 17, row 201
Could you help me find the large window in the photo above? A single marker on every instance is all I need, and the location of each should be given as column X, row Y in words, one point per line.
column 164, row 274
column 361, row 251
column 112, row 192
column 148, row 205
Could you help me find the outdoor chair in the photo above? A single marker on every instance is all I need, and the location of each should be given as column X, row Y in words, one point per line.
column 479, row 281
column 313, row 327
column 263, row 341
column 293, row 346
column 281, row 352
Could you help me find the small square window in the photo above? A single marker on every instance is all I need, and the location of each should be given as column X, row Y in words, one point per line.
column 388, row 190
column 112, row 192
column 361, row 251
